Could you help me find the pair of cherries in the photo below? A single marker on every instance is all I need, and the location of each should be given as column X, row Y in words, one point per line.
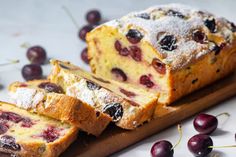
column 199, row 145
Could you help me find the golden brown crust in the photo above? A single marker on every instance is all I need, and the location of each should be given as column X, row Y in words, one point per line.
column 69, row 109
column 203, row 72
column 43, row 149
column 141, row 116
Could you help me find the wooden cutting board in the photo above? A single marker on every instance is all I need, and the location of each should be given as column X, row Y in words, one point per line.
column 115, row 139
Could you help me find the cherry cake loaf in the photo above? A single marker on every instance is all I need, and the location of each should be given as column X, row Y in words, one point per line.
column 25, row 134
column 170, row 50
column 129, row 107
column 47, row 98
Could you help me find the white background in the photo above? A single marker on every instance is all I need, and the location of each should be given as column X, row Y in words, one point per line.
column 39, row 22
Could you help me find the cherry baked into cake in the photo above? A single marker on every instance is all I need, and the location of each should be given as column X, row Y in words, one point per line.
column 170, row 50
column 24, row 134
column 46, row 98
column 129, row 107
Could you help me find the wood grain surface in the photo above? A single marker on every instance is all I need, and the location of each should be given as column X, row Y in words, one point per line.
column 115, row 139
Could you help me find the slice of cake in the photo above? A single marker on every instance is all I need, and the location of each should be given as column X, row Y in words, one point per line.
column 170, row 50
column 24, row 134
column 129, row 107
column 47, row 98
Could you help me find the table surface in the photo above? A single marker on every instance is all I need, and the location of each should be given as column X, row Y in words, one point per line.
column 45, row 23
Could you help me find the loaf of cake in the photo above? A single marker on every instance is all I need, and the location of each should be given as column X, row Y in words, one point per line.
column 170, row 50
column 24, row 134
column 46, row 98
column 129, row 107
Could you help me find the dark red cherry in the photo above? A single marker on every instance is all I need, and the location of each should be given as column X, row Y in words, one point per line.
column 32, row 72
column 84, row 55
column 211, row 24
column 118, row 46
column 205, row 123
column 14, row 117
column 145, row 80
column 199, row 36
column 84, row 30
column 8, row 142
column 159, row 66
column 50, row 87
column 119, row 74
column 92, row 85
column 217, row 48
column 134, row 36
column 3, row 128
column 115, row 110
column 162, row 149
column 199, row 144
column 168, row 43
column 135, row 53
column 233, row 27
column 175, row 13
column 127, row 93
column 124, row 52
column 27, row 123
column 93, row 17
column 50, row 134
column 36, row 55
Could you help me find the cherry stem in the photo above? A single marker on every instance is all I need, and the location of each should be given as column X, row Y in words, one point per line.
column 224, row 113
column 230, row 146
column 10, row 62
column 180, row 136
column 71, row 16
column 25, row 45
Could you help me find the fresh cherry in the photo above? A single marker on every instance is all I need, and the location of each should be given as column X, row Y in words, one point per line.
column 93, row 17
column 32, row 71
column 162, row 149
column 84, row 30
column 200, row 144
column 36, row 55
column 84, row 55
column 205, row 123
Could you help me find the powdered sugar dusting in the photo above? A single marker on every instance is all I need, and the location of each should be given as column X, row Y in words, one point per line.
column 81, row 91
column 181, row 26
column 27, row 98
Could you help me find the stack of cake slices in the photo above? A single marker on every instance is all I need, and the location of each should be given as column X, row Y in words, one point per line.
column 71, row 99
column 146, row 58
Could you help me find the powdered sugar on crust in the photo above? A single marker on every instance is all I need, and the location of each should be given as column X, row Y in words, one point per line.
column 81, row 91
column 159, row 23
column 27, row 98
